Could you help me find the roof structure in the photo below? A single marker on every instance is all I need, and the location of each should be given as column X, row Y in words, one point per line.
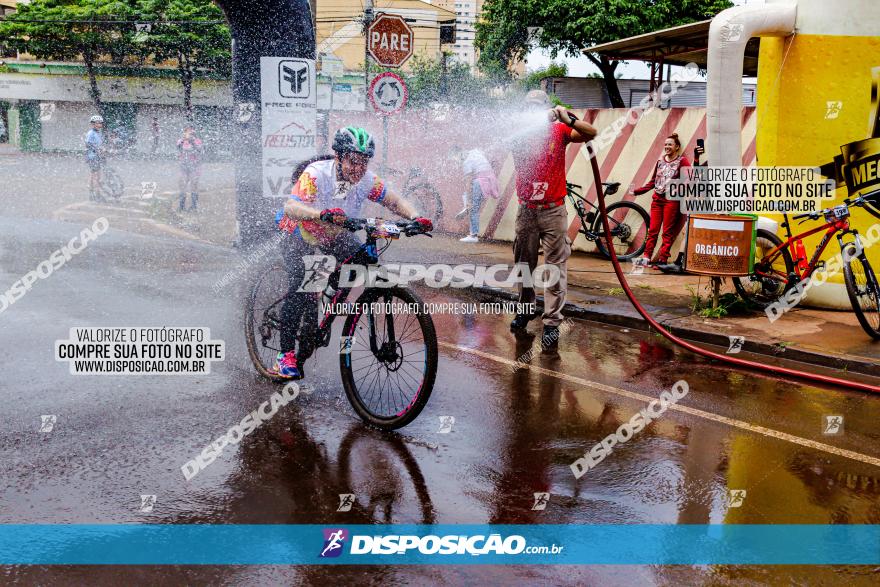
column 688, row 43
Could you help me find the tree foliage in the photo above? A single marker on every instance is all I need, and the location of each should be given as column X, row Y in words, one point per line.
column 192, row 46
column 70, row 30
column 568, row 26
column 99, row 31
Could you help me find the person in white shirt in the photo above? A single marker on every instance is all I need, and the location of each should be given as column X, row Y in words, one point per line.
column 479, row 183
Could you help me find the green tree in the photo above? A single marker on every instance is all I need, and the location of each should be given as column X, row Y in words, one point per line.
column 569, row 26
column 70, row 30
column 534, row 79
column 187, row 36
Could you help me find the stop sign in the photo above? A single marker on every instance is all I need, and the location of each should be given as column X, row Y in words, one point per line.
column 390, row 40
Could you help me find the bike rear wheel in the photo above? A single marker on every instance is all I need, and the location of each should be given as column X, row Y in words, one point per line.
column 863, row 291
column 388, row 357
column 629, row 230
column 761, row 290
column 262, row 320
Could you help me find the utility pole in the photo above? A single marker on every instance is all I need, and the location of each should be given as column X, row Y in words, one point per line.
column 369, row 16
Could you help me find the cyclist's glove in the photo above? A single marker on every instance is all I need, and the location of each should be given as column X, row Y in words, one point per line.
column 425, row 224
column 333, row 215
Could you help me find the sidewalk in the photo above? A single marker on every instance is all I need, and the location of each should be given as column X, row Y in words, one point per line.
column 825, row 338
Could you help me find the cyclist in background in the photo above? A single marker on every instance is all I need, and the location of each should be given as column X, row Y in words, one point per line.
column 94, row 142
column 326, row 193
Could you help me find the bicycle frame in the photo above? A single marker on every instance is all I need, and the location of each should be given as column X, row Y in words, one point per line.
column 831, row 228
column 583, row 215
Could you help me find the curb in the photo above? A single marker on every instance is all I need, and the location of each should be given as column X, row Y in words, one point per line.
column 861, row 367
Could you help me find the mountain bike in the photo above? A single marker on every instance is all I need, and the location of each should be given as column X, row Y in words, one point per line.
column 628, row 222
column 780, row 266
column 388, row 345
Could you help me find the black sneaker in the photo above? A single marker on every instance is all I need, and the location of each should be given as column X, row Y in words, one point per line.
column 550, row 338
column 522, row 321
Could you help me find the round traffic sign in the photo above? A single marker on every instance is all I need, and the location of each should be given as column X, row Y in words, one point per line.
column 388, row 93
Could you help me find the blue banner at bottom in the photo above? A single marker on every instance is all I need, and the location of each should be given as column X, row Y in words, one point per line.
column 219, row 544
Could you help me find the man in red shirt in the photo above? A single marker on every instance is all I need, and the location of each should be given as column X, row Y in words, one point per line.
column 542, row 218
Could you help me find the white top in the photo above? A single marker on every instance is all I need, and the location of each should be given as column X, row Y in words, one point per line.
column 475, row 162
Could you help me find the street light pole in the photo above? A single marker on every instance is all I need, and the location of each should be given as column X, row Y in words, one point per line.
column 368, row 20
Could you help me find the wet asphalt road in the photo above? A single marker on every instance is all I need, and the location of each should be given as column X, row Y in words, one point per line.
column 515, row 432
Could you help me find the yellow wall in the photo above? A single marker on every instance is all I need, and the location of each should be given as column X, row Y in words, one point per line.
column 830, row 60
column 339, row 34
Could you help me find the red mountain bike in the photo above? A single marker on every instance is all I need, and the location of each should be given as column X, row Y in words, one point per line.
column 780, row 266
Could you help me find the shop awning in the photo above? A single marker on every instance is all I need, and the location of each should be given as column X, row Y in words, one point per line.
column 688, row 43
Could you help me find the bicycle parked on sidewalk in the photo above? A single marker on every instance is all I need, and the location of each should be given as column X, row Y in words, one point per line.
column 388, row 345
column 628, row 222
column 780, row 266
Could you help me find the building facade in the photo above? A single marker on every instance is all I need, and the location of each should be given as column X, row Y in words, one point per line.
column 339, row 28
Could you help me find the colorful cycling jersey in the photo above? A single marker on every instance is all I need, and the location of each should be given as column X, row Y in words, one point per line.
column 94, row 139
column 319, row 187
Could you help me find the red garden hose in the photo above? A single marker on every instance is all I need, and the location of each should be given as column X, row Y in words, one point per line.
column 693, row 348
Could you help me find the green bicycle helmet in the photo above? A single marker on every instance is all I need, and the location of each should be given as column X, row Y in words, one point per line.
column 353, row 139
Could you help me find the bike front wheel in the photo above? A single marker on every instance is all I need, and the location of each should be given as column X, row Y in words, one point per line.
column 113, row 186
column 770, row 277
column 629, row 230
column 388, row 357
column 863, row 292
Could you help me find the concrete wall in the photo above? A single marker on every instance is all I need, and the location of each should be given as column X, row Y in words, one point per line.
column 416, row 139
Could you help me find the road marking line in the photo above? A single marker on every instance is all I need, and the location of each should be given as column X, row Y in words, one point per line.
column 841, row 452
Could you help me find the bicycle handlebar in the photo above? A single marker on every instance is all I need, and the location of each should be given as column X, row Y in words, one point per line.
column 409, row 227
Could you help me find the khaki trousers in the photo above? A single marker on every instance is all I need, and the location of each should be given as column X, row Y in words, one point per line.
column 547, row 227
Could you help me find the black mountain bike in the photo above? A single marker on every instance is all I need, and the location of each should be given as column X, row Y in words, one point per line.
column 388, row 345
column 628, row 221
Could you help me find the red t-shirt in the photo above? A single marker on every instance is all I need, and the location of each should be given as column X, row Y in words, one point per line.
column 540, row 166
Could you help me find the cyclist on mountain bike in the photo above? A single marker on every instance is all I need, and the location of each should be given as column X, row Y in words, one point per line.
column 325, row 194
column 95, row 152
